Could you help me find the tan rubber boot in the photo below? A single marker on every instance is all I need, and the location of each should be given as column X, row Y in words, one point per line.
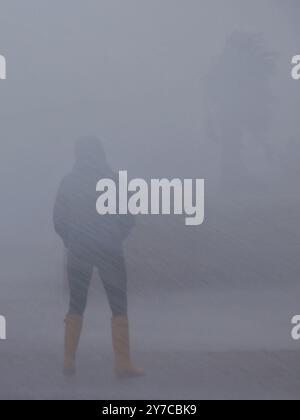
column 73, row 326
column 120, row 338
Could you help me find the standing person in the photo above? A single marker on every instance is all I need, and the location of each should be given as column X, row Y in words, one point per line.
column 238, row 101
column 93, row 241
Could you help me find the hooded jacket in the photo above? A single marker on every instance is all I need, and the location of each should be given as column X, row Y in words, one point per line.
column 76, row 220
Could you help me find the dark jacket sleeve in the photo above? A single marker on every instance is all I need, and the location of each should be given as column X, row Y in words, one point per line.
column 127, row 223
column 61, row 212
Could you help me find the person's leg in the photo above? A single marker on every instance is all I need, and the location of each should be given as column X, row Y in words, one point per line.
column 112, row 270
column 79, row 275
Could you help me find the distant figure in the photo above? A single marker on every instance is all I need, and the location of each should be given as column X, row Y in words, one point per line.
column 238, row 101
column 93, row 241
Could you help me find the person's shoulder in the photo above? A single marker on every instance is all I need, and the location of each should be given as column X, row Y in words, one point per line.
column 67, row 178
column 66, row 182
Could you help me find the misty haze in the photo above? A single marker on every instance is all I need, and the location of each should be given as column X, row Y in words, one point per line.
column 173, row 89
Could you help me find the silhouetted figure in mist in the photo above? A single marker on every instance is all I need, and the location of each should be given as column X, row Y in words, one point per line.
column 237, row 100
column 93, row 241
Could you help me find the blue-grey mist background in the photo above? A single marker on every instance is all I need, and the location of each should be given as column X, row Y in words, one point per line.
column 196, row 88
